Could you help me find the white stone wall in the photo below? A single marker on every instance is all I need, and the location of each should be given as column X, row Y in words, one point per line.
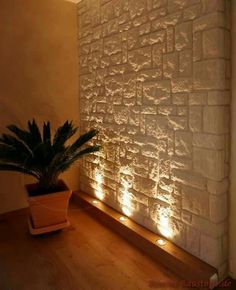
column 155, row 80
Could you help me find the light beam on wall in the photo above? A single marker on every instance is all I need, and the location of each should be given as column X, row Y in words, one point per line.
column 126, row 185
column 163, row 223
column 99, row 181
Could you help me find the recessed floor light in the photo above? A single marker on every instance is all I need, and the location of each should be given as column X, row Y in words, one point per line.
column 122, row 218
column 95, row 201
column 161, row 242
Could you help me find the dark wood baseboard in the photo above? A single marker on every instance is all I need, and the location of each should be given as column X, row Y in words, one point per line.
column 171, row 256
column 13, row 213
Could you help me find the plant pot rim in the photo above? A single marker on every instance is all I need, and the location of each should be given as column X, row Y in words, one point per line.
column 32, row 186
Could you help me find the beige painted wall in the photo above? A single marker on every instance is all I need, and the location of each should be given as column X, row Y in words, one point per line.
column 38, row 73
column 232, row 198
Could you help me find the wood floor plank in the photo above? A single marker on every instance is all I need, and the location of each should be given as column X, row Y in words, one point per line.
column 86, row 256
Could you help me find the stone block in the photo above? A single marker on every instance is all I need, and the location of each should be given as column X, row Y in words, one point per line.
column 209, row 163
column 208, row 141
column 157, row 37
column 213, row 5
column 170, row 65
column 129, row 86
column 186, row 217
column 185, row 63
column 157, row 13
column 167, row 21
column 166, row 110
column 218, row 187
column 159, row 3
column 195, row 118
column 132, row 38
column 183, row 36
column 145, row 28
column 146, row 186
column 205, row 226
column 179, row 98
column 140, row 58
column 107, row 12
column 156, row 92
column 192, row 12
column 216, row 119
column 170, row 39
column 182, row 111
column 167, row 185
column 219, row 97
column 121, row 115
column 209, row 74
column 211, row 250
column 195, row 201
column 112, row 44
column 139, row 21
column 157, row 56
column 198, row 98
column 174, row 5
column 114, row 87
column 218, row 208
column 188, row 178
column 137, row 8
column 197, row 46
column 183, row 144
column 110, row 27
column 177, row 123
column 213, row 43
column 193, row 241
column 183, row 84
column 181, row 163
column 211, row 20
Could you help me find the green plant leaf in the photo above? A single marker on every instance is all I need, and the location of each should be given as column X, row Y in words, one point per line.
column 34, row 130
column 17, row 168
column 82, row 140
column 47, row 133
column 43, row 156
column 66, row 164
column 62, row 134
column 15, row 143
column 22, row 135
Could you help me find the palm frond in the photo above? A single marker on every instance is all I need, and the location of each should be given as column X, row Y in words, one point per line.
column 62, row 134
column 22, row 135
column 47, row 133
column 9, row 153
column 82, row 140
column 17, row 168
column 66, row 164
column 17, row 144
column 35, row 132
column 43, row 156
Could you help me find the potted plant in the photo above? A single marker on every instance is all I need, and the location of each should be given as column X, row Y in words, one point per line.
column 44, row 157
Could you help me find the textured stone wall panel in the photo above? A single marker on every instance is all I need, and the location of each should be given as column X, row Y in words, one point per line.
column 154, row 79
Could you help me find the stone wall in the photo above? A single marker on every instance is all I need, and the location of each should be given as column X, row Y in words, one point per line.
column 155, row 80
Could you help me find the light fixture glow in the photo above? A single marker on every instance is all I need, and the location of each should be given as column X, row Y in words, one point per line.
column 122, row 218
column 161, row 242
column 95, row 201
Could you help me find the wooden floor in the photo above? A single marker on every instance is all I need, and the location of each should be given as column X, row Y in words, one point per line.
column 87, row 255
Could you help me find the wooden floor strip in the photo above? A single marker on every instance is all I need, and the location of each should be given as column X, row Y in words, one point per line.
column 85, row 256
column 176, row 259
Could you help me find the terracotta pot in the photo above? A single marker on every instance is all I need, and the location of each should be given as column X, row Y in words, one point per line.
column 49, row 209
